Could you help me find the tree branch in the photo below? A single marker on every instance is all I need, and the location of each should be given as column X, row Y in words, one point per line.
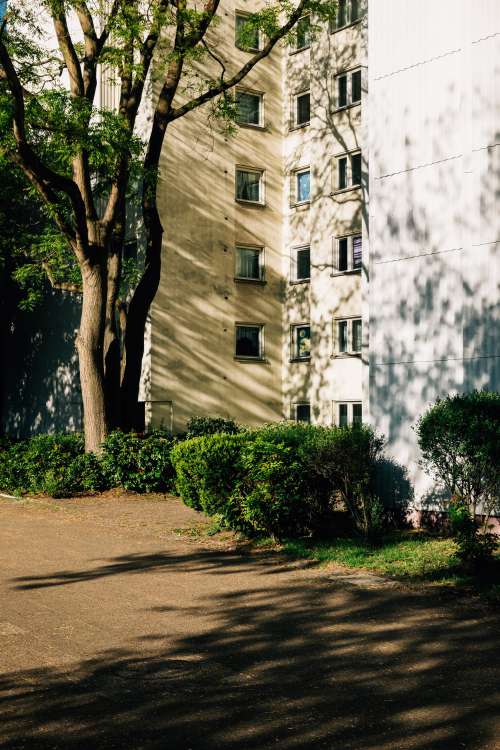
column 45, row 179
column 68, row 52
column 64, row 286
column 214, row 91
column 91, row 50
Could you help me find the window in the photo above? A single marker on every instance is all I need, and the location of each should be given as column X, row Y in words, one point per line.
column 246, row 36
column 248, row 108
column 249, row 263
column 349, row 412
column 342, row 172
column 356, row 87
column 357, row 252
column 356, row 335
column 303, row 186
column 302, row 113
column 348, row 89
column 343, row 336
column 302, row 412
column 301, row 342
column 249, row 341
column 303, row 33
column 348, row 11
column 356, row 169
column 249, row 185
column 302, row 263
column 342, row 97
column 357, row 413
column 343, row 415
column 348, row 255
column 349, row 171
column 348, row 336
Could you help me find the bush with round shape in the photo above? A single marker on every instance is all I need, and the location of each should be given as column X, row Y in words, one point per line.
column 459, row 438
column 280, row 493
column 138, row 462
column 208, row 470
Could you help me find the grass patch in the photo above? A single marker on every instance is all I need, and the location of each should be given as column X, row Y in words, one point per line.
column 408, row 555
column 203, row 529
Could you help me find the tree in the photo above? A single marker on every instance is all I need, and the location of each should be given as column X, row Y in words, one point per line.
column 84, row 160
column 459, row 438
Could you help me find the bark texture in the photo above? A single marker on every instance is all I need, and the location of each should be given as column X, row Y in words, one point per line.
column 89, row 343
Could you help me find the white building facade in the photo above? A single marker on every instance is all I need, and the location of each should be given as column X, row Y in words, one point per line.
column 434, row 129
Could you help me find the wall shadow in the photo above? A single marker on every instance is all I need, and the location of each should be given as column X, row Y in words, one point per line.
column 294, row 663
column 41, row 377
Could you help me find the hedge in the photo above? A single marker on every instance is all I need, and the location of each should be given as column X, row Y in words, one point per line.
column 57, row 465
column 273, row 480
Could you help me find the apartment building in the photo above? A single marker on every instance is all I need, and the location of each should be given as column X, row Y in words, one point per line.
column 336, row 260
column 259, row 311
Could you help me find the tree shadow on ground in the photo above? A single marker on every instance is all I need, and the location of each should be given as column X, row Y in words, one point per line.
column 291, row 663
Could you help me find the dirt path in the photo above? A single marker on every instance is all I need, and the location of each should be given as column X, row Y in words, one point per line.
column 117, row 633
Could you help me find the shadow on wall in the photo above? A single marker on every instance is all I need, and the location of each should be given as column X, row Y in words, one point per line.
column 41, row 383
column 278, row 662
column 325, row 379
column 435, row 280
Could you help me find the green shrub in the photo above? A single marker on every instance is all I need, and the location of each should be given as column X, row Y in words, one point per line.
column 140, row 463
column 279, row 492
column 199, row 426
column 475, row 547
column 280, row 480
column 85, row 474
column 26, row 465
column 459, row 438
column 208, row 470
column 347, row 457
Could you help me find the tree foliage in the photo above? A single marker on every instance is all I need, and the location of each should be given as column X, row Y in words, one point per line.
column 459, row 438
column 86, row 161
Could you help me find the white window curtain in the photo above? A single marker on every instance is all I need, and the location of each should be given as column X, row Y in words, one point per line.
column 248, row 185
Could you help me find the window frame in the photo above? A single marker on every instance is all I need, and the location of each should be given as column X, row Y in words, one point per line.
column 250, row 279
column 294, row 264
column 347, row 75
column 251, row 170
column 295, row 411
column 350, row 237
column 249, row 50
column 349, row 352
column 349, row 22
column 294, row 342
column 348, row 156
column 244, row 357
column 350, row 403
column 294, row 187
column 295, row 107
column 295, row 48
column 260, row 95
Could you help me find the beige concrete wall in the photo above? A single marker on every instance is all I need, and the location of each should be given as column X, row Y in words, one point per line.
column 193, row 370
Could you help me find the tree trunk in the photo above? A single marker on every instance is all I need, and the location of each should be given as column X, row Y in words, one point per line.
column 90, row 345
column 112, row 343
column 132, row 413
